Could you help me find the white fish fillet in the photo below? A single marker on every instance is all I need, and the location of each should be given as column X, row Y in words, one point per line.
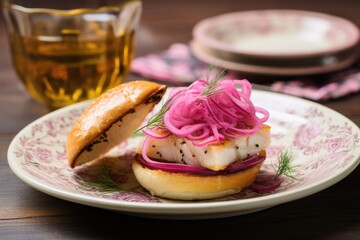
column 214, row 156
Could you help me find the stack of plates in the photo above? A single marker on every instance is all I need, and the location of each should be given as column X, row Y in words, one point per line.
column 277, row 42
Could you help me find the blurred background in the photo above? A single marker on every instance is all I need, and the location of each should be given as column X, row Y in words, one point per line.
column 170, row 23
column 156, row 31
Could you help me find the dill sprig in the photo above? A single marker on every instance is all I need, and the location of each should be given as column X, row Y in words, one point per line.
column 103, row 182
column 284, row 166
column 158, row 119
column 213, row 84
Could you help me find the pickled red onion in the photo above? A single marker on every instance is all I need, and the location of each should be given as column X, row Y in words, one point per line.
column 182, row 168
column 205, row 119
column 266, row 182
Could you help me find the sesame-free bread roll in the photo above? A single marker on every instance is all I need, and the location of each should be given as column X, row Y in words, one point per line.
column 187, row 186
column 111, row 119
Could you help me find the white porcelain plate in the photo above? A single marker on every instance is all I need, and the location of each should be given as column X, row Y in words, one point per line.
column 325, row 146
column 277, row 33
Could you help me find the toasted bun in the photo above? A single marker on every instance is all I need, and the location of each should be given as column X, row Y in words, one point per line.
column 183, row 186
column 111, row 119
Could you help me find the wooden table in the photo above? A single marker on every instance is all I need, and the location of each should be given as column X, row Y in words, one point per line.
column 26, row 213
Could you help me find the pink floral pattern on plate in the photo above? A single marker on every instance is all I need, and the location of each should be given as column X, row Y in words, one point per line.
column 325, row 146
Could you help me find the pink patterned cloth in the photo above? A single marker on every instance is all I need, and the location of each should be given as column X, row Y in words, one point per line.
column 177, row 66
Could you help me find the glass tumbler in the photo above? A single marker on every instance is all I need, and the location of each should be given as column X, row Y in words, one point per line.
column 67, row 56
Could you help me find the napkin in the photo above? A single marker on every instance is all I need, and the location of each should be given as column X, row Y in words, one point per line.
column 178, row 66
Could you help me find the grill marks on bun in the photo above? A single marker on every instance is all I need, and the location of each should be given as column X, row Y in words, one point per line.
column 110, row 120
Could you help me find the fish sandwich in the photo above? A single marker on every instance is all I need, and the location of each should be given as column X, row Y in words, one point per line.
column 206, row 141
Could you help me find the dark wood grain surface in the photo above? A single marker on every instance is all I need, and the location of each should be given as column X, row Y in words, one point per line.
column 26, row 213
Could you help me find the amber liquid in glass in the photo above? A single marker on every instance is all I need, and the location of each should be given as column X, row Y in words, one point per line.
column 63, row 70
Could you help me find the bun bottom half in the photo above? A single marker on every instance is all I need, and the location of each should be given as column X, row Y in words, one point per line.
column 184, row 186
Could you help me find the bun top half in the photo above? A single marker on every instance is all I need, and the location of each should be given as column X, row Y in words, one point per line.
column 111, row 119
